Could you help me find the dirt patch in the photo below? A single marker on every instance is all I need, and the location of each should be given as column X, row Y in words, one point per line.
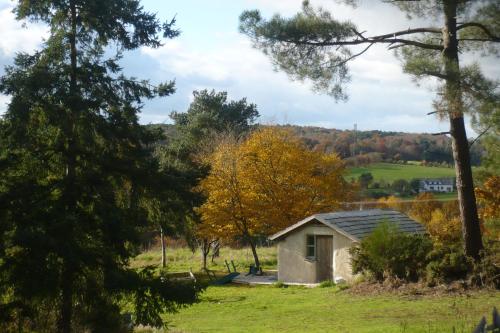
column 415, row 290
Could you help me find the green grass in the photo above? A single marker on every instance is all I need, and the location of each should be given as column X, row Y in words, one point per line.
column 390, row 172
column 182, row 259
column 298, row 309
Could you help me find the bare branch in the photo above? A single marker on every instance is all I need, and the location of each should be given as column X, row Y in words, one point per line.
column 480, row 26
column 435, row 74
column 355, row 55
column 408, row 32
column 480, row 135
column 370, row 40
column 495, row 40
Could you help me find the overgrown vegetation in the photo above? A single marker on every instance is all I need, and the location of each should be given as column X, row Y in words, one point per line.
column 388, row 253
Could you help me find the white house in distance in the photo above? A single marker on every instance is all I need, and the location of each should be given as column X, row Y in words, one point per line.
column 437, row 185
column 317, row 248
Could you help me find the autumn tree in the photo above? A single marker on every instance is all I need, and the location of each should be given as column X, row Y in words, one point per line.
column 268, row 182
column 423, row 206
column 195, row 133
column 75, row 167
column 314, row 45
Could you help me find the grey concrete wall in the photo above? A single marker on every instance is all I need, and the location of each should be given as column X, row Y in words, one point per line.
column 294, row 267
column 342, row 258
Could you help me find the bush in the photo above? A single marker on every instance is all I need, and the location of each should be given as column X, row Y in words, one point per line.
column 447, row 263
column 487, row 271
column 279, row 284
column 388, row 252
column 327, row 284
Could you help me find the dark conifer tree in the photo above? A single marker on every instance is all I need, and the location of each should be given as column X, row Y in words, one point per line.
column 75, row 171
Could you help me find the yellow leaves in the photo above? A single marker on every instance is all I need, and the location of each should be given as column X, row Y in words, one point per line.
column 489, row 198
column 444, row 226
column 421, row 210
column 268, row 182
column 441, row 219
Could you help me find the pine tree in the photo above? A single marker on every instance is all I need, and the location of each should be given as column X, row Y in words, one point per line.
column 75, row 171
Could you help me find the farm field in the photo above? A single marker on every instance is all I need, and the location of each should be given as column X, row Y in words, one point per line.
column 233, row 308
column 390, row 172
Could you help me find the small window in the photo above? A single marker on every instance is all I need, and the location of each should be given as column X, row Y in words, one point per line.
column 311, row 247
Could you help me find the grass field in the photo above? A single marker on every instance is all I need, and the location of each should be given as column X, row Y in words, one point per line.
column 235, row 308
column 182, row 259
column 298, row 309
column 390, row 172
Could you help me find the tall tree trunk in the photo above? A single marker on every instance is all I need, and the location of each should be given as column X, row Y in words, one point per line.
column 163, row 249
column 66, row 312
column 70, row 195
column 453, row 94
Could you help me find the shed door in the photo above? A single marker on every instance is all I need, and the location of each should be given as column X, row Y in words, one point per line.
column 324, row 258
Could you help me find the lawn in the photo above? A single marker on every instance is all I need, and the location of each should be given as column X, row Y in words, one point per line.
column 390, row 172
column 297, row 309
column 183, row 259
column 236, row 308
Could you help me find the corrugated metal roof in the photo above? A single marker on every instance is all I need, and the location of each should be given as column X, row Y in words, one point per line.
column 359, row 224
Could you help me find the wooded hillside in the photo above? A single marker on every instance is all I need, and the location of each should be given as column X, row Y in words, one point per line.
column 375, row 146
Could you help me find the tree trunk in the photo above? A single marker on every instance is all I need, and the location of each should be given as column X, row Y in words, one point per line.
column 66, row 310
column 471, row 231
column 70, row 192
column 215, row 250
column 205, row 250
column 254, row 251
column 163, row 249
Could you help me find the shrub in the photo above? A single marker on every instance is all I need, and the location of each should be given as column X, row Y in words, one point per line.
column 279, row 284
column 327, row 284
column 388, row 252
column 487, row 271
column 447, row 263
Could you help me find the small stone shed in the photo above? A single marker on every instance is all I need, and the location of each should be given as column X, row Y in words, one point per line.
column 317, row 248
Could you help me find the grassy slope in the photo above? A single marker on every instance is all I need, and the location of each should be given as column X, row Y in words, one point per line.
column 182, row 259
column 297, row 309
column 390, row 172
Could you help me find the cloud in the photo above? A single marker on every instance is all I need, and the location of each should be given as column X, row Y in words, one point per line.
column 15, row 36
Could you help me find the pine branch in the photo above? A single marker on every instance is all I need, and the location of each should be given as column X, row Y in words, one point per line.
column 386, row 38
column 493, row 38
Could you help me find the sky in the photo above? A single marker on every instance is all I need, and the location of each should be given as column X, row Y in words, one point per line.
column 210, row 54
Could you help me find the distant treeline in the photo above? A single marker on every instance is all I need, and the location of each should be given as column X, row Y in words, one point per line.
column 364, row 147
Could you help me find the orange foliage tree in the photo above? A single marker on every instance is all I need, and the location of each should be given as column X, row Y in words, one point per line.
column 266, row 183
column 488, row 197
column 441, row 219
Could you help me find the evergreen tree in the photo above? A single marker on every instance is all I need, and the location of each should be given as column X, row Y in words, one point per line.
column 76, row 171
column 314, row 45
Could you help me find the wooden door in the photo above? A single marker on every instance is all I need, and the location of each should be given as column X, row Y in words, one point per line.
column 324, row 258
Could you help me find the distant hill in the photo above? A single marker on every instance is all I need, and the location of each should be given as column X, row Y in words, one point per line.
column 365, row 147
column 375, row 146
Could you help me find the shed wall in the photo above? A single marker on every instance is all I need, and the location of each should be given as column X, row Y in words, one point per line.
column 295, row 267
